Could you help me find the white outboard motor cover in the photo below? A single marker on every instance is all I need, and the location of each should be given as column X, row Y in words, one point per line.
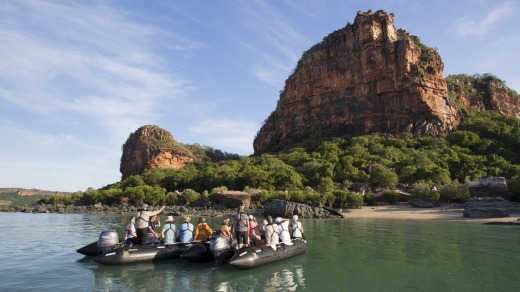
column 218, row 243
column 108, row 239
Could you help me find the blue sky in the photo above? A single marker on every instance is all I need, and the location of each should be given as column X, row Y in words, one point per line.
column 77, row 77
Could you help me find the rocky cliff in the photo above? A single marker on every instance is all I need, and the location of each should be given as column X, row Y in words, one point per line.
column 152, row 147
column 366, row 77
column 484, row 92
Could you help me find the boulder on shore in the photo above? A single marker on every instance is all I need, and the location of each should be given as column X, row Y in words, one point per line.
column 281, row 208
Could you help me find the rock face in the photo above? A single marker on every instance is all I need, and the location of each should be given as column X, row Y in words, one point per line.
column 485, row 93
column 490, row 187
column 366, row 77
column 280, row 208
column 233, row 199
column 488, row 207
column 152, row 147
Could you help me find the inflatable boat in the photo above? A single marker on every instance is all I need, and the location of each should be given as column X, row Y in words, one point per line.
column 252, row 257
column 146, row 253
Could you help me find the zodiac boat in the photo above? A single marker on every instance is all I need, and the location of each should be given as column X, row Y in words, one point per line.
column 252, row 257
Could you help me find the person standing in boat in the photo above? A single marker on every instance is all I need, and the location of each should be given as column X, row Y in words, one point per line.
column 252, row 234
column 141, row 219
column 203, row 231
column 283, row 230
column 169, row 231
column 240, row 227
column 186, row 230
column 296, row 228
column 271, row 233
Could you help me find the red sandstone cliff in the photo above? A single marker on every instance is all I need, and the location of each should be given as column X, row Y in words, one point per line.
column 484, row 92
column 152, row 147
column 366, row 77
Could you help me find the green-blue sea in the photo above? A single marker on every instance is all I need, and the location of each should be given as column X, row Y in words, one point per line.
column 38, row 253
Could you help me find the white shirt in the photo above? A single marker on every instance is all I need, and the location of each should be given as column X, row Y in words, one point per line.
column 283, row 230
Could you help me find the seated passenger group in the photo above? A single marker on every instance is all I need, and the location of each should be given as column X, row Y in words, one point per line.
column 144, row 225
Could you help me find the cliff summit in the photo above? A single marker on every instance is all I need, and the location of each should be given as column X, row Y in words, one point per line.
column 366, row 77
column 152, row 147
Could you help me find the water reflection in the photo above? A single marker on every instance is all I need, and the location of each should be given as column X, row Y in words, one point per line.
column 180, row 275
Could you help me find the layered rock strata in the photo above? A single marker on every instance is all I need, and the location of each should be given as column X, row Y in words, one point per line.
column 366, row 77
column 152, row 147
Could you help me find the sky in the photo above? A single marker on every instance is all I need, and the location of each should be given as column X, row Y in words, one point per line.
column 77, row 77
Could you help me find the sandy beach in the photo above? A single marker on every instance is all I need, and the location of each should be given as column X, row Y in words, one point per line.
column 447, row 212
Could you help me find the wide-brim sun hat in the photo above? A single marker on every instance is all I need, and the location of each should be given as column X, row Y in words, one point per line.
column 169, row 219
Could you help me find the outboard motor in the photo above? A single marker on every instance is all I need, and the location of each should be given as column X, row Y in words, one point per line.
column 107, row 239
column 221, row 249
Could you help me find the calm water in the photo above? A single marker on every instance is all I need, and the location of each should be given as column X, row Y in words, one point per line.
column 38, row 253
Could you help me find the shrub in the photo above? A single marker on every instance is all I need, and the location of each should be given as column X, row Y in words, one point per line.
column 391, row 197
column 370, row 199
column 354, row 200
column 422, row 191
column 297, row 196
column 454, row 192
column 265, row 196
column 189, row 196
column 514, row 186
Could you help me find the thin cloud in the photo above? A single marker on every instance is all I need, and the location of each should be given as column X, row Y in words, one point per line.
column 467, row 26
column 235, row 135
column 89, row 60
column 280, row 42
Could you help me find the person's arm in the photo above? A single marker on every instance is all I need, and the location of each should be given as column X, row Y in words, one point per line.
column 160, row 210
column 196, row 234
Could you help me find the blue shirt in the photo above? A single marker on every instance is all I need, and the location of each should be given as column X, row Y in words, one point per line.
column 170, row 232
column 186, row 232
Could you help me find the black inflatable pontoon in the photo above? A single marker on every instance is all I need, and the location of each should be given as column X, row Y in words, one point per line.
column 133, row 254
column 198, row 253
column 252, row 257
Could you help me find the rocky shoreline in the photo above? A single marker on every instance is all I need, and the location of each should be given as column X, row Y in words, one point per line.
column 275, row 208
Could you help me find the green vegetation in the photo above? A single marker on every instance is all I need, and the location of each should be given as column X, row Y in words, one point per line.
column 321, row 172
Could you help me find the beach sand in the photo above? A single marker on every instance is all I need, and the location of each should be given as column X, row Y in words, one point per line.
column 447, row 212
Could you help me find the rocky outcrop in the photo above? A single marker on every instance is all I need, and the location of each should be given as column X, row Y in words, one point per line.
column 281, row 208
column 233, row 199
column 152, row 147
column 490, row 187
column 489, row 207
column 366, row 77
column 485, row 92
column 428, row 203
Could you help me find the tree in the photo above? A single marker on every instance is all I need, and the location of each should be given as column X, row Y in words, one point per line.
column 383, row 176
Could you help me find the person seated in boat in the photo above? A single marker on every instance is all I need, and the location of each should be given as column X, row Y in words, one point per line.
column 141, row 219
column 186, row 230
column 203, row 231
column 153, row 234
column 224, row 229
column 261, row 229
column 271, row 233
column 240, row 228
column 130, row 233
column 296, row 228
column 169, row 231
column 283, row 230
column 252, row 234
